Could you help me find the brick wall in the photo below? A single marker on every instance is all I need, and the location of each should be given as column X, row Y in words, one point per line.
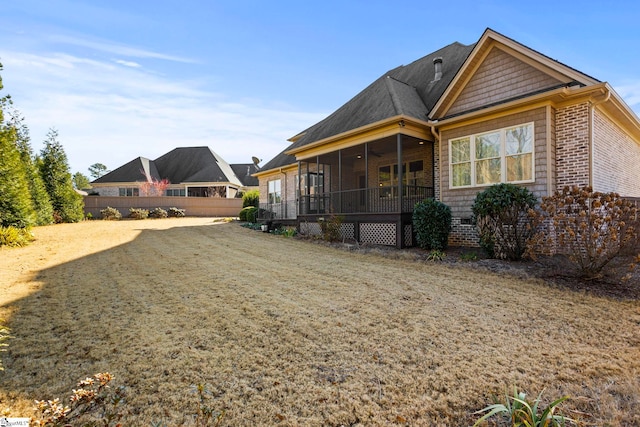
column 572, row 145
column 616, row 158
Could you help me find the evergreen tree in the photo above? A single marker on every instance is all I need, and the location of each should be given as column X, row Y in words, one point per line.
column 15, row 200
column 81, row 182
column 96, row 170
column 68, row 205
column 39, row 196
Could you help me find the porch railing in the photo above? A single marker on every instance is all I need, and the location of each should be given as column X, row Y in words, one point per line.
column 366, row 200
column 277, row 211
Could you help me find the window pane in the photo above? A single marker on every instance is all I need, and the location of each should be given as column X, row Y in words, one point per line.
column 488, row 171
column 461, row 174
column 519, row 140
column 460, row 150
column 488, row 145
column 519, row 168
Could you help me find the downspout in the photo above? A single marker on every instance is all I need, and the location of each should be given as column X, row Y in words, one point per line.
column 592, row 136
column 298, row 196
column 283, row 211
column 436, row 134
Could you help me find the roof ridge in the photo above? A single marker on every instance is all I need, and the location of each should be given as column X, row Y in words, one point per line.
column 395, row 98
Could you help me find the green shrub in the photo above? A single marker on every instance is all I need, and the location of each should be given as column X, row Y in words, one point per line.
column 245, row 212
column 432, row 224
column 591, row 228
column 251, row 198
column 15, row 237
column 285, row 231
column 501, row 214
column 176, row 213
column 158, row 213
column 110, row 214
column 248, row 214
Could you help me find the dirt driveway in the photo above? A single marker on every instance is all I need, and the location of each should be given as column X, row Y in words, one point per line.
column 289, row 333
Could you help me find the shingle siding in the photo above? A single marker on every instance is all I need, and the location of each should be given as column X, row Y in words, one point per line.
column 500, row 77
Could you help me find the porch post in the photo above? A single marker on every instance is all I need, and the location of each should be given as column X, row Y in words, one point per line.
column 339, row 181
column 318, row 184
column 400, row 173
column 366, row 177
column 399, row 225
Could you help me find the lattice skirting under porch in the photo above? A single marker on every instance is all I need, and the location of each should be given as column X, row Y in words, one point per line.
column 374, row 233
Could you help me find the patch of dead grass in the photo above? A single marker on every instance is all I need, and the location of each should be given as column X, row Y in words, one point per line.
column 290, row 333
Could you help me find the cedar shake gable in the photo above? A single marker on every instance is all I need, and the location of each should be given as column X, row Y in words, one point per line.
column 500, row 70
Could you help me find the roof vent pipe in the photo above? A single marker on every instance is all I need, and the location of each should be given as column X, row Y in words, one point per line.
column 437, row 63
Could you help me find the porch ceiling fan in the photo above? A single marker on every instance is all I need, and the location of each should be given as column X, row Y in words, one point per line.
column 373, row 153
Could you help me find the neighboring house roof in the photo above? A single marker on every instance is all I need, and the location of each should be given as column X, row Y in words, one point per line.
column 178, row 166
column 409, row 90
column 244, row 172
column 133, row 171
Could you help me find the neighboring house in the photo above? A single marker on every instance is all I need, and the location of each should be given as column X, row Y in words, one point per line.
column 190, row 172
column 456, row 121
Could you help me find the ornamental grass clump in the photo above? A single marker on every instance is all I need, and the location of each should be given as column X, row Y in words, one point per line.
column 591, row 228
column 522, row 413
column 15, row 236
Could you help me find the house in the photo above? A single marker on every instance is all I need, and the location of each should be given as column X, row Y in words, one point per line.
column 447, row 126
column 190, row 172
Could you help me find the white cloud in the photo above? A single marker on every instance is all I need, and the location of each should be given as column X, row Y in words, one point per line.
column 127, row 63
column 114, row 48
column 111, row 114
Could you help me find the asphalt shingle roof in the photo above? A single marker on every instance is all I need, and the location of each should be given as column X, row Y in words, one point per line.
column 180, row 165
column 409, row 90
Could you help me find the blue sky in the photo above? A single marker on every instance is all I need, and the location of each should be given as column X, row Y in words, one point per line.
column 120, row 79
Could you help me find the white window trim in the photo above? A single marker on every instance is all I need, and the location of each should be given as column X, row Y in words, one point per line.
column 503, row 157
column 269, row 192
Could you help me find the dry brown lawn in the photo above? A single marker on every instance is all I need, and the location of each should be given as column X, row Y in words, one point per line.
column 290, row 333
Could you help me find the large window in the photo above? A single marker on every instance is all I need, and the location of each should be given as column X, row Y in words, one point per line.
column 274, row 192
column 504, row 155
column 129, row 192
column 179, row 192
